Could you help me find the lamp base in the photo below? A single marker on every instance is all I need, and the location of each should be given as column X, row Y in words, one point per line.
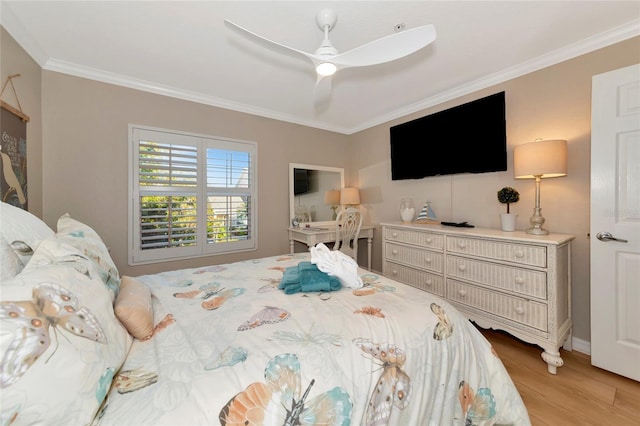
column 537, row 231
column 536, row 223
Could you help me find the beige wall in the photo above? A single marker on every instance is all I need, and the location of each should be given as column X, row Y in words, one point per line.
column 85, row 126
column 553, row 103
column 84, row 152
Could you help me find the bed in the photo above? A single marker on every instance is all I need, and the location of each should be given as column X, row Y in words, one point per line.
column 224, row 344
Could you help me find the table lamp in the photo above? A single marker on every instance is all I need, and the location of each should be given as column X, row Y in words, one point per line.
column 349, row 197
column 332, row 198
column 539, row 160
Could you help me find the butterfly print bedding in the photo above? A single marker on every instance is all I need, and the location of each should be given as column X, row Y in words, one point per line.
column 133, row 380
column 393, row 388
column 52, row 307
column 443, row 328
column 162, row 324
column 307, row 337
column 228, row 358
column 271, row 286
column 269, row 315
column 277, row 401
column 370, row 310
column 221, row 297
column 478, row 406
column 394, row 357
column 212, row 294
column 203, row 292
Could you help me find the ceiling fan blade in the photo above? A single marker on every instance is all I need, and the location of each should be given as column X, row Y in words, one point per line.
column 322, row 94
column 387, row 49
column 270, row 43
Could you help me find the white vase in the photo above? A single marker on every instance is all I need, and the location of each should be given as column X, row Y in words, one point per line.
column 407, row 209
column 508, row 221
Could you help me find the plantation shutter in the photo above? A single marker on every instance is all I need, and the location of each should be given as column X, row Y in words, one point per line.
column 228, row 195
column 192, row 196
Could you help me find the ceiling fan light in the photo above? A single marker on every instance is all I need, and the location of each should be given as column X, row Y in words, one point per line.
column 326, row 69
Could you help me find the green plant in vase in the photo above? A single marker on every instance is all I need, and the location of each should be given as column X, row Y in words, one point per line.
column 508, row 195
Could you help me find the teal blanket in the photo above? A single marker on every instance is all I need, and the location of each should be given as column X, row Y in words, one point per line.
column 306, row 277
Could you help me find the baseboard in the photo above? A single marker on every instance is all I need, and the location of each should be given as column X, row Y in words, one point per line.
column 583, row 346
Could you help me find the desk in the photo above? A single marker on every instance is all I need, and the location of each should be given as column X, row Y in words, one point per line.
column 311, row 237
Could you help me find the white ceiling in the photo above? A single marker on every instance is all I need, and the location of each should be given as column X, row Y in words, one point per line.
column 183, row 49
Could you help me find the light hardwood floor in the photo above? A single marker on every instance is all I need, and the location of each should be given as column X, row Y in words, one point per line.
column 580, row 394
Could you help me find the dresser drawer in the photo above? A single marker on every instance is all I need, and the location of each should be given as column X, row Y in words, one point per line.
column 518, row 280
column 422, row 239
column 523, row 311
column 413, row 256
column 416, row 278
column 496, row 250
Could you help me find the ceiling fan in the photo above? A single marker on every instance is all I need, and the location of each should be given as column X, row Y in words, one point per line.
column 327, row 60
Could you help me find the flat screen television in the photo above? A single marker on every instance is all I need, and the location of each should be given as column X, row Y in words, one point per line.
column 300, row 181
column 468, row 138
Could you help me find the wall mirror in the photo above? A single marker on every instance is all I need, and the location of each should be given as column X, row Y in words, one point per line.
column 310, row 198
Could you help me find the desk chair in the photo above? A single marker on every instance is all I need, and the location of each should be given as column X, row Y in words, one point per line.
column 348, row 223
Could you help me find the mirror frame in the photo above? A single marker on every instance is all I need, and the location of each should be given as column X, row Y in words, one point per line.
column 292, row 209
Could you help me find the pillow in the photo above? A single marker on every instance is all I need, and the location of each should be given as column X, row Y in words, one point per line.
column 22, row 226
column 85, row 239
column 133, row 308
column 60, row 345
column 55, row 251
column 10, row 264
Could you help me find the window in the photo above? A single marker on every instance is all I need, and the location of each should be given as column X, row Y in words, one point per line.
column 190, row 195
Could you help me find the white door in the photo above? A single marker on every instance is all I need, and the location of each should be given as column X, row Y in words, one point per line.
column 615, row 221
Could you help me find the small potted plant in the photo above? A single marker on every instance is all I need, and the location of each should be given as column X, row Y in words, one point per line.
column 508, row 195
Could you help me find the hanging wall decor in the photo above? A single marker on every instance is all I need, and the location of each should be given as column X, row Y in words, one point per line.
column 13, row 152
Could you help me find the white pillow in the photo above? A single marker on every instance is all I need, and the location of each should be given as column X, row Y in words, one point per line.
column 89, row 243
column 10, row 264
column 17, row 224
column 61, row 343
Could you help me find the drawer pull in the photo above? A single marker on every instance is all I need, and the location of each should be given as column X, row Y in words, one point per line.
column 462, row 293
column 519, row 254
column 394, row 252
column 428, row 282
column 394, row 272
column 461, row 245
column 428, row 260
column 462, row 268
column 429, row 240
column 519, row 280
column 394, row 234
column 520, row 310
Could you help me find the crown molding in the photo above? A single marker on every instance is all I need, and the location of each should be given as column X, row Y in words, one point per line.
column 164, row 90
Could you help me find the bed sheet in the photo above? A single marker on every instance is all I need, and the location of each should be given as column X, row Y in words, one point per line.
column 229, row 347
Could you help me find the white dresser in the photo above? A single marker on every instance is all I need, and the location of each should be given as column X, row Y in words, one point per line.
column 510, row 281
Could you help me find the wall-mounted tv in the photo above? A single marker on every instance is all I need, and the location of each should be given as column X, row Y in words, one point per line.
column 300, row 181
column 469, row 138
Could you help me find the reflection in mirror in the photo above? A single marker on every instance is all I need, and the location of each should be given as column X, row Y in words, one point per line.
column 314, row 193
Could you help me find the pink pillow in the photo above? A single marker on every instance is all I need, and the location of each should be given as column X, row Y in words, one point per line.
column 133, row 308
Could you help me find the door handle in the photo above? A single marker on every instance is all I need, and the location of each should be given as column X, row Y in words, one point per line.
column 606, row 236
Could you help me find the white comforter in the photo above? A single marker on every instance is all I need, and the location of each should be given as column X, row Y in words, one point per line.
column 229, row 346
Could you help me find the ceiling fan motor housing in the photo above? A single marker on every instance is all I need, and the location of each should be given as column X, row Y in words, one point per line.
column 326, row 17
column 326, row 49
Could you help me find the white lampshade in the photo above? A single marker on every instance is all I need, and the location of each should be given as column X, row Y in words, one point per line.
column 545, row 159
column 350, row 196
column 538, row 160
column 332, row 197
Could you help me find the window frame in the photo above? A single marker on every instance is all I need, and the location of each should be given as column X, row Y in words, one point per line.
column 202, row 192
